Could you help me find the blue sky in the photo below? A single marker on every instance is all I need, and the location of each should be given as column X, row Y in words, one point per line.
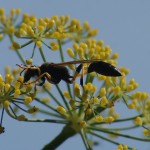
column 124, row 25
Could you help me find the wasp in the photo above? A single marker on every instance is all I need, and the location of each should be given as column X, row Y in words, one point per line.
column 55, row 72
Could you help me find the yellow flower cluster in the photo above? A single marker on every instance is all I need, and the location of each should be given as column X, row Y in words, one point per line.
column 61, row 110
column 92, row 102
column 86, row 107
column 7, row 22
column 93, row 49
column 122, row 147
column 54, row 28
column 10, row 89
column 13, row 93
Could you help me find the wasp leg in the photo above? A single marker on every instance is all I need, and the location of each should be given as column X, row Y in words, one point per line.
column 42, row 75
column 81, row 78
column 77, row 73
column 82, row 74
column 43, row 81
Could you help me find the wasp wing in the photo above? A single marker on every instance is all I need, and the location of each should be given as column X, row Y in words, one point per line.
column 104, row 68
column 76, row 62
column 96, row 65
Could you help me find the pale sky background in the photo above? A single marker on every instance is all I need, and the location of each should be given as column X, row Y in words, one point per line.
column 124, row 25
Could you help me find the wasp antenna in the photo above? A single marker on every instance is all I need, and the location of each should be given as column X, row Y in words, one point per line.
column 19, row 65
column 22, row 71
column 22, row 66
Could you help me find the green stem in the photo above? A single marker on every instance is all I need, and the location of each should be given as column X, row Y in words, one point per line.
column 10, row 114
column 125, row 101
column 49, row 113
column 33, row 50
column 47, row 120
column 125, row 128
column 2, row 116
column 20, row 56
column 84, row 138
column 122, row 120
column 66, row 133
column 46, row 45
column 81, row 110
column 107, row 139
column 127, row 119
column 119, row 134
column 42, row 54
column 52, row 108
column 62, row 59
column 26, row 44
column 69, row 90
column 62, row 96
column 87, row 79
column 60, row 50
column 52, row 96
column 17, row 51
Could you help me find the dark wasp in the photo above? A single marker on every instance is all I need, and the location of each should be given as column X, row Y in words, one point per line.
column 54, row 73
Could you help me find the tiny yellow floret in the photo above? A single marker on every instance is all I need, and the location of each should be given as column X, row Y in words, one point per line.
column 138, row 121
column 7, row 87
column 18, row 11
column 21, row 118
column 39, row 44
column 12, row 12
column 131, row 106
column 1, row 36
column 2, row 84
column 29, row 61
column 1, row 78
column 101, row 77
column 115, row 56
column 88, row 111
column 86, row 25
column 8, row 78
column 82, row 123
column 102, row 92
column 77, row 89
column 109, row 119
column 15, row 46
column 17, row 93
column 17, row 85
column 72, row 104
column 70, row 52
column 116, row 90
column 103, row 101
column 123, row 147
column 45, row 99
column 99, row 118
column 95, row 100
column 146, row 132
column 54, row 46
column 33, row 110
column 50, row 24
column 20, row 79
column 27, row 100
column 61, row 110
column 6, row 104
column 2, row 11
column 67, row 95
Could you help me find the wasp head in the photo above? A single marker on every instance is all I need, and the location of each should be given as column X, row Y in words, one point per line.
column 29, row 73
